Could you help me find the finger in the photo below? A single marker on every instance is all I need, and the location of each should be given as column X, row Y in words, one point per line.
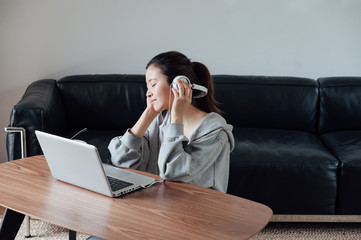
column 149, row 103
column 187, row 90
column 175, row 92
column 190, row 92
column 180, row 88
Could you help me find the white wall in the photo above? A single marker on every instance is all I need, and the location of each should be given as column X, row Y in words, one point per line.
column 50, row 39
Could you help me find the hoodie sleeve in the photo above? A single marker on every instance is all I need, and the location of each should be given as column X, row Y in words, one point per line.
column 183, row 161
column 129, row 151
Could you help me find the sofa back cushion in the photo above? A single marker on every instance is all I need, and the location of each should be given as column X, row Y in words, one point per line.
column 268, row 102
column 103, row 101
column 340, row 104
column 116, row 101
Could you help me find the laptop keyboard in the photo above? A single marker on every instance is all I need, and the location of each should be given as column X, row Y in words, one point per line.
column 117, row 184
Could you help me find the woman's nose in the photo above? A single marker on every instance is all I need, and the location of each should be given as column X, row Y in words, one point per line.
column 148, row 93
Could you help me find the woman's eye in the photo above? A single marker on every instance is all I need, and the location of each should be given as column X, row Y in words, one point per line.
column 153, row 84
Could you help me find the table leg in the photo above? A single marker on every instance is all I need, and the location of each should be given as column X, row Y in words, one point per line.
column 72, row 235
column 10, row 224
column 27, row 227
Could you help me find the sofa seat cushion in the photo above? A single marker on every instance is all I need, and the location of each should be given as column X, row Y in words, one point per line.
column 346, row 146
column 98, row 138
column 297, row 173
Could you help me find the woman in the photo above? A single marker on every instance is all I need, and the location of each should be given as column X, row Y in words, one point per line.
column 178, row 137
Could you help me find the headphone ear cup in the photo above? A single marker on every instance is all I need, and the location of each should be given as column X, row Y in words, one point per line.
column 181, row 77
column 174, row 85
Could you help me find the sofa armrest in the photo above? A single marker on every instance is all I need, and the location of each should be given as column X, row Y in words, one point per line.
column 40, row 108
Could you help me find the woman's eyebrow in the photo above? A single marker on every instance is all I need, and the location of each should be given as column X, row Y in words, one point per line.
column 151, row 80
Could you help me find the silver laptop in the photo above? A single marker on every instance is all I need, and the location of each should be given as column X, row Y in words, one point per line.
column 79, row 163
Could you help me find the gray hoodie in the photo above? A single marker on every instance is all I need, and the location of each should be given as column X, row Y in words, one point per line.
column 203, row 159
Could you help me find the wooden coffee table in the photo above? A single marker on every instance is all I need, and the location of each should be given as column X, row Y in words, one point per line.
column 168, row 210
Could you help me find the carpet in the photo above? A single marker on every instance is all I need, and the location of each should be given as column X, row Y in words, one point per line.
column 274, row 230
column 40, row 230
column 310, row 231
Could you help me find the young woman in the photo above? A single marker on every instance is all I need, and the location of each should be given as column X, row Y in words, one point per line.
column 179, row 137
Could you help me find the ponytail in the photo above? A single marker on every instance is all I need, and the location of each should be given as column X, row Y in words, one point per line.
column 175, row 63
column 207, row 103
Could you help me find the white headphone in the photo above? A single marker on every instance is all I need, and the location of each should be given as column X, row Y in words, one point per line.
column 202, row 90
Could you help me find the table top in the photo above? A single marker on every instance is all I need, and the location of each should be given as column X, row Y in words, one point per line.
column 168, row 210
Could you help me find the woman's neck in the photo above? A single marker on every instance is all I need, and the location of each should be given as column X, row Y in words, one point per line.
column 191, row 118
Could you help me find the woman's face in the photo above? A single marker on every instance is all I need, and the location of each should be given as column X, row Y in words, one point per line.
column 158, row 88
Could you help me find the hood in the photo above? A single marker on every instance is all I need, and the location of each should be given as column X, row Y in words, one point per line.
column 210, row 124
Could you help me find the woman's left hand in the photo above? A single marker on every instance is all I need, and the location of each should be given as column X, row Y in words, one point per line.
column 182, row 100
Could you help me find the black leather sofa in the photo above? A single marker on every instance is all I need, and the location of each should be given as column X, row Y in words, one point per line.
column 297, row 140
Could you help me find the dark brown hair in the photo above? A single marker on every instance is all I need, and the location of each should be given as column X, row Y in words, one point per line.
column 175, row 63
